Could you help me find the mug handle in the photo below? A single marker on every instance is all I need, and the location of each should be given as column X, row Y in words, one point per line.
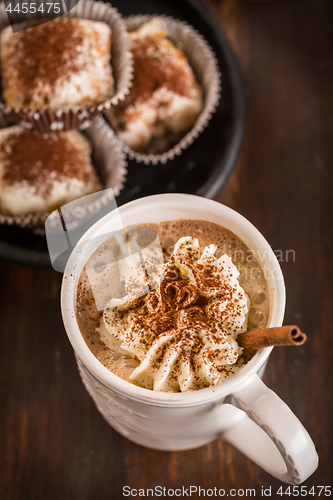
column 279, row 443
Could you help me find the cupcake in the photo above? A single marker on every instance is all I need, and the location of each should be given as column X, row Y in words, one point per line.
column 164, row 97
column 174, row 93
column 41, row 172
column 59, row 74
column 59, row 64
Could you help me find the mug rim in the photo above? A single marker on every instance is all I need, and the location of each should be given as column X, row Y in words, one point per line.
column 125, row 389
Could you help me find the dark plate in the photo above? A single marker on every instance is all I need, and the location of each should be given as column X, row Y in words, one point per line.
column 201, row 169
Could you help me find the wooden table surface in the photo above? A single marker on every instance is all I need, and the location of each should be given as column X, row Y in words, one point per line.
column 53, row 442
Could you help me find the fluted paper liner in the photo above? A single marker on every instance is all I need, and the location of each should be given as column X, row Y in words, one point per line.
column 110, row 163
column 205, row 67
column 121, row 63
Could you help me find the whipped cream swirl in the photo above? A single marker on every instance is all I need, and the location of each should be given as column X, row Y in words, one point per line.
column 183, row 331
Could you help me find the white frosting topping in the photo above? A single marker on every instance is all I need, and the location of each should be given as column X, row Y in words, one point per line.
column 183, row 332
column 20, row 197
column 91, row 83
column 165, row 110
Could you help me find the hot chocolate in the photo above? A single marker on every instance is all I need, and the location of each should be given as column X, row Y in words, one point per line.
column 174, row 329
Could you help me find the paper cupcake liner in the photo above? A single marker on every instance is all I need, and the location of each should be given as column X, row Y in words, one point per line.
column 107, row 158
column 121, row 62
column 204, row 64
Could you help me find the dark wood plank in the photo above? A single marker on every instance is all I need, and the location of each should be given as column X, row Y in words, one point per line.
column 54, row 443
column 283, row 183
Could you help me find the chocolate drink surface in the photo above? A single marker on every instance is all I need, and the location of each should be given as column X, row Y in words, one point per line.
column 122, row 361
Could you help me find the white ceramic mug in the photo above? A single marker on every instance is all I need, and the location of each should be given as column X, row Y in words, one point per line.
column 240, row 410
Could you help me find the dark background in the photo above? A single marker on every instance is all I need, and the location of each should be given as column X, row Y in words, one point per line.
column 53, row 442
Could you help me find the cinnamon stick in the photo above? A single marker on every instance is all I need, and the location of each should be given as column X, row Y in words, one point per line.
column 265, row 337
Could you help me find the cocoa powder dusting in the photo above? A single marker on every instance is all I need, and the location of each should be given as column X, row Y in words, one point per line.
column 44, row 53
column 154, row 68
column 39, row 159
column 176, row 302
